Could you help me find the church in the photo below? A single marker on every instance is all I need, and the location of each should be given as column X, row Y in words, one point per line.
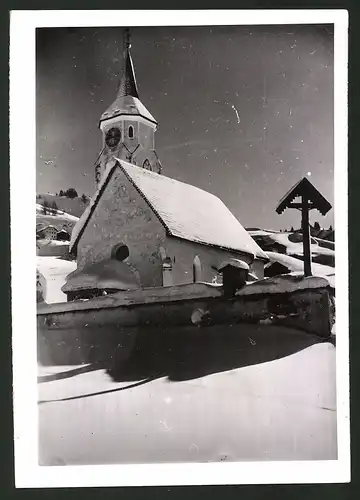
column 162, row 231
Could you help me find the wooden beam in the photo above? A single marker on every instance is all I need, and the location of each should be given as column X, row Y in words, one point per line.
column 306, row 235
column 299, row 205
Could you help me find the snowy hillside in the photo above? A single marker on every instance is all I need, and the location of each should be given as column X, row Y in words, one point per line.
column 72, row 206
column 59, row 220
column 293, row 244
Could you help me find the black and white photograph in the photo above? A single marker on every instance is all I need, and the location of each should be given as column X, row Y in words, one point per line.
column 179, row 190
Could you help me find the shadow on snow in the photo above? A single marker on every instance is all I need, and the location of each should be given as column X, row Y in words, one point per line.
column 190, row 354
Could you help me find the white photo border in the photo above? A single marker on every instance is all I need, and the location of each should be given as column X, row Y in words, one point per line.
column 28, row 473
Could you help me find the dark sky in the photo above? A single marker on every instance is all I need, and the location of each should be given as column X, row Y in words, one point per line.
column 244, row 112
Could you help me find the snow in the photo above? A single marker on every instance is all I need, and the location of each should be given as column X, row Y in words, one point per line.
column 187, row 212
column 52, row 243
column 292, row 248
column 298, row 265
column 278, row 410
column 262, row 232
column 329, row 278
column 203, row 218
column 122, row 105
column 104, row 274
column 54, row 270
column 64, row 215
column 191, row 213
column 284, row 283
column 51, row 248
column 240, row 264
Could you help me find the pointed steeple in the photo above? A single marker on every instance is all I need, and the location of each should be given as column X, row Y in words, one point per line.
column 127, row 85
column 128, row 128
column 127, row 98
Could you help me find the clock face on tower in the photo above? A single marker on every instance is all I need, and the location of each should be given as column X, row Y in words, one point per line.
column 113, row 137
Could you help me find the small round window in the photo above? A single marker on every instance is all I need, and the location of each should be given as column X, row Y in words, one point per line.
column 120, row 252
column 131, row 132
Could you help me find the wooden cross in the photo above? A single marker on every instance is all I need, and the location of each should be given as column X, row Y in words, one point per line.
column 310, row 198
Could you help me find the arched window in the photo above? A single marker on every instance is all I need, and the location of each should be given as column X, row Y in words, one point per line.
column 131, row 131
column 196, row 269
column 166, row 265
column 120, row 252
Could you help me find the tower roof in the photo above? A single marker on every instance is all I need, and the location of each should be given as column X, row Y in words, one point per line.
column 127, row 79
column 127, row 100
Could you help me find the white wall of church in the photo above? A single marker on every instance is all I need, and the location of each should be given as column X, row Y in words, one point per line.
column 183, row 253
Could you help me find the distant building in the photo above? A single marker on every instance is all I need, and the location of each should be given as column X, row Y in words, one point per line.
column 63, row 235
column 168, row 232
column 268, row 244
column 48, row 233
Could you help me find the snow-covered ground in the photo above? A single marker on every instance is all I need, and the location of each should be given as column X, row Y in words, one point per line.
column 54, row 270
column 40, row 210
column 278, row 410
column 248, row 409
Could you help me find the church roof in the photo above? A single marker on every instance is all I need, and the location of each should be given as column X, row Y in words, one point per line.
column 127, row 105
column 186, row 211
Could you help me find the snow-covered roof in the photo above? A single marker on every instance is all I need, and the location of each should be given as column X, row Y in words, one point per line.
column 107, row 273
column 186, row 211
column 262, row 232
column 127, row 105
column 292, row 248
column 297, row 266
column 240, row 264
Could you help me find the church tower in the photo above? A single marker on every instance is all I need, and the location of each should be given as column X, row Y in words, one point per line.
column 127, row 126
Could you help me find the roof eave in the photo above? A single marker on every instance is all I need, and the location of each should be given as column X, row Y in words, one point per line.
column 116, row 115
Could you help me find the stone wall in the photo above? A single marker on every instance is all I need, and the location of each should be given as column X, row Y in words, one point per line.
column 93, row 330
